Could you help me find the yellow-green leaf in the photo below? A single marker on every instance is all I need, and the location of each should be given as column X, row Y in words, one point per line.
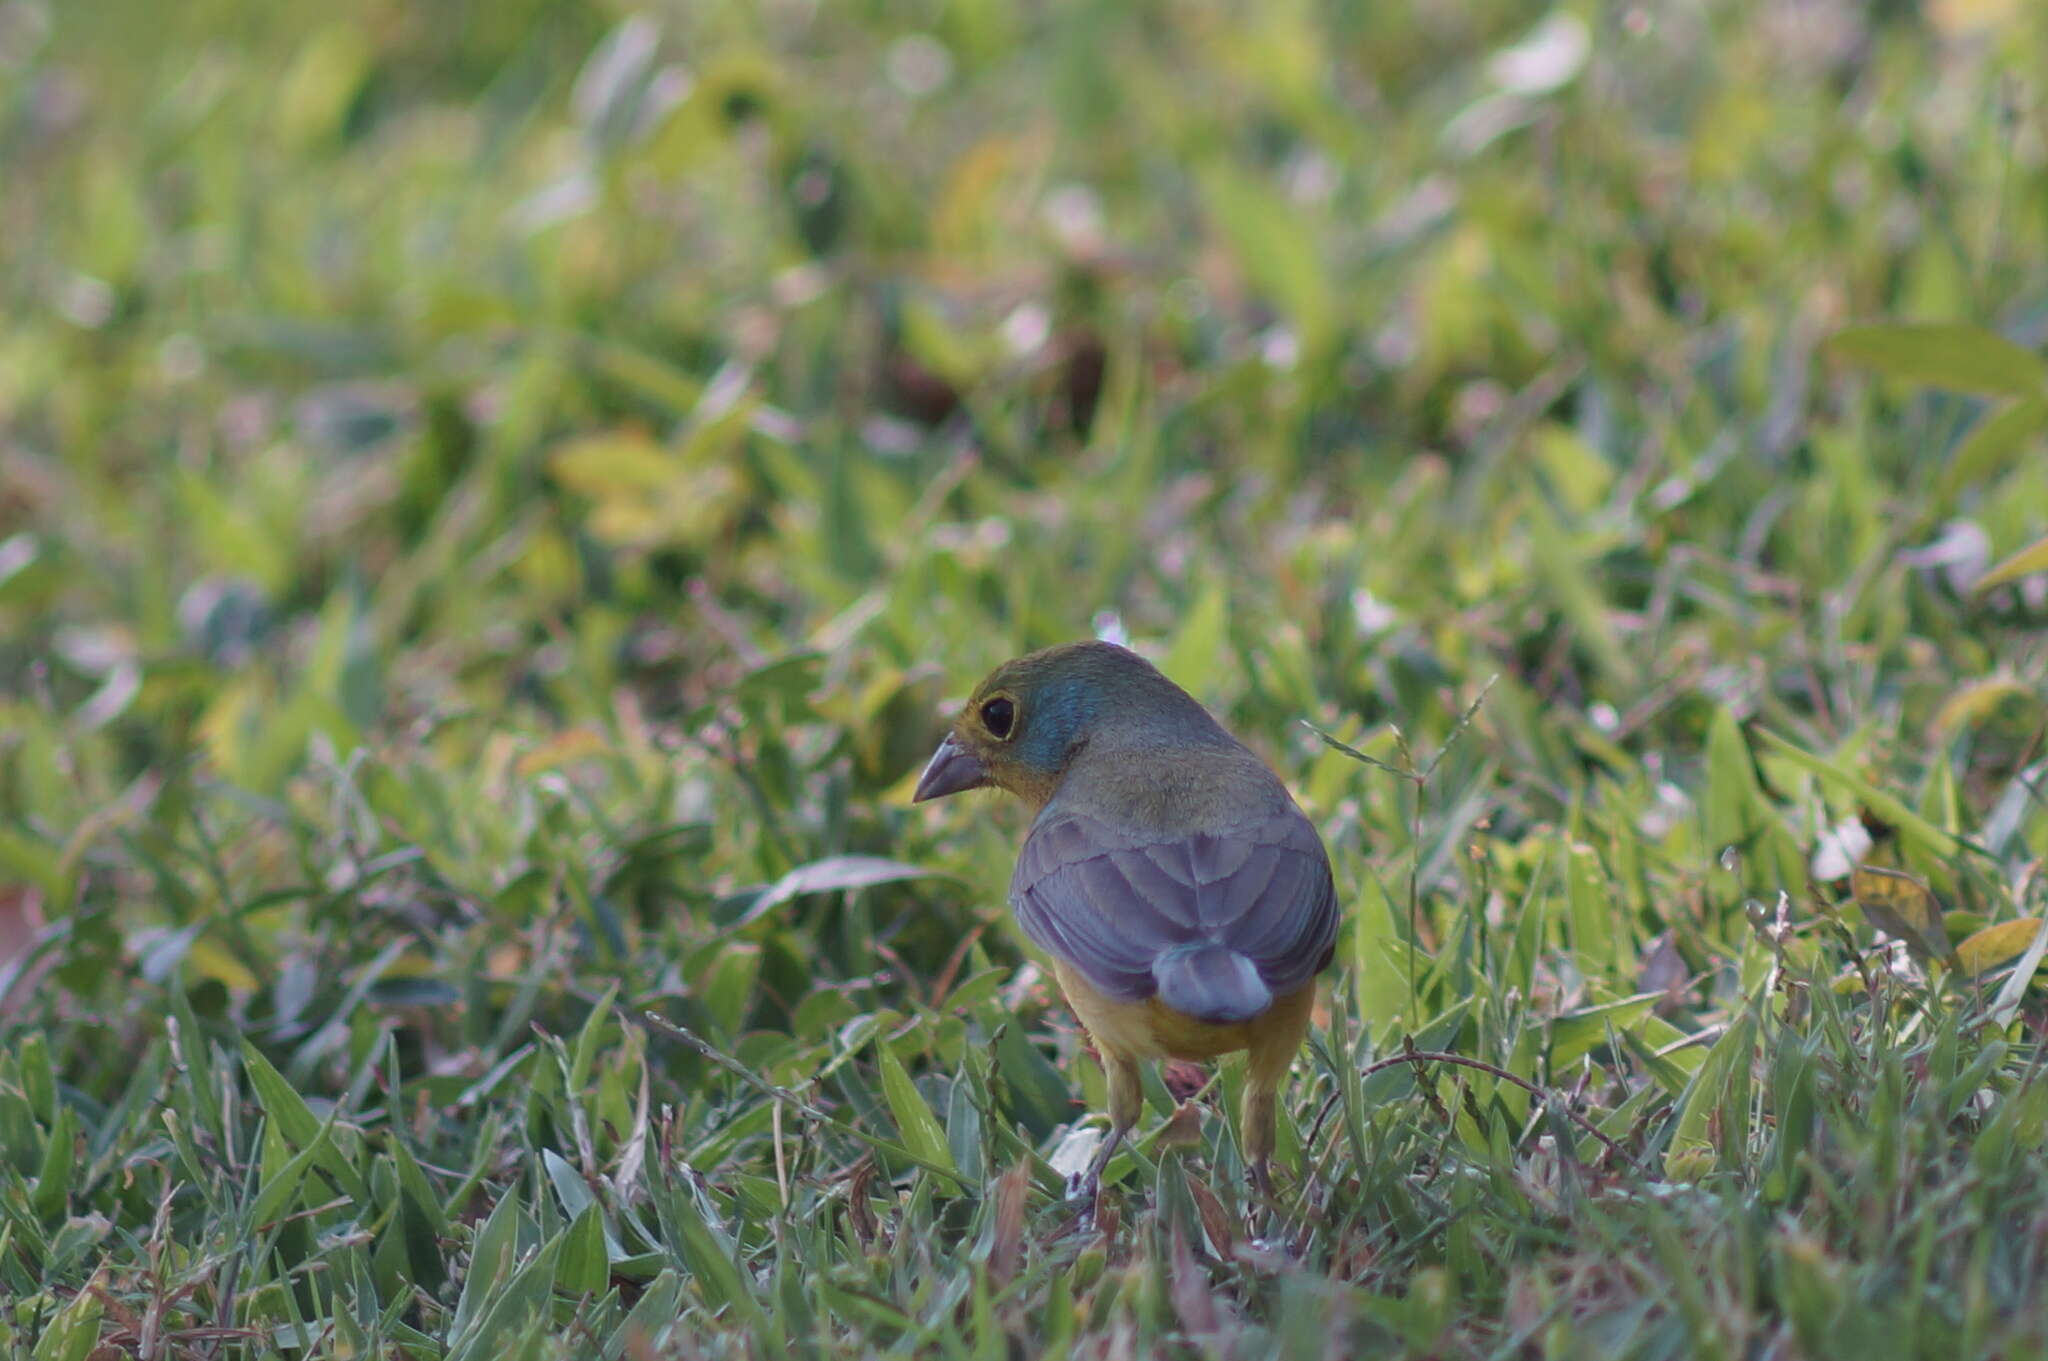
column 1975, row 702
column 1985, row 950
column 2007, row 1004
column 914, row 1119
column 1992, row 442
column 2030, row 559
column 210, row 959
column 1945, row 355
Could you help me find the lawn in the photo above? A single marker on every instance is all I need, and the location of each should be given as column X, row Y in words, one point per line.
column 497, row 500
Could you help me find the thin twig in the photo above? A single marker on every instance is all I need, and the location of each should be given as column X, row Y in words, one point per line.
column 1421, row 1056
column 705, row 1049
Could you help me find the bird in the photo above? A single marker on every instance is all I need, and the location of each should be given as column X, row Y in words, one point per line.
column 1184, row 899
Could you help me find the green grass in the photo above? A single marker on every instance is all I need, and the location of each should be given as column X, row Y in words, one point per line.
column 494, row 501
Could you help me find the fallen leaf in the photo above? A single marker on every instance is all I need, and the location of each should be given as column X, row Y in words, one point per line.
column 1903, row 906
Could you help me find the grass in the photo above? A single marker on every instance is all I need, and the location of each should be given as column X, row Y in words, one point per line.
column 494, row 501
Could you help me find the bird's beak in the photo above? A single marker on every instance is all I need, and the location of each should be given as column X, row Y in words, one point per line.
column 953, row 768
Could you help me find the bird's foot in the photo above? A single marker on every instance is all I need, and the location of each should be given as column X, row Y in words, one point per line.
column 1084, row 1188
column 1262, row 1215
column 1084, row 1194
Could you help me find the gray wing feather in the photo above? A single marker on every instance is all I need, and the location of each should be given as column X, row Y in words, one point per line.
column 1109, row 902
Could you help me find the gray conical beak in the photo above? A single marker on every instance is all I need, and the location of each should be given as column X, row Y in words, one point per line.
column 953, row 768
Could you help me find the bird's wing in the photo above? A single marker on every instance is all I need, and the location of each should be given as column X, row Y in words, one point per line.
column 1109, row 901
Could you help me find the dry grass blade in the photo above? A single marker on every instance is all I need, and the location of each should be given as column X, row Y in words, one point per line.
column 1006, row 1244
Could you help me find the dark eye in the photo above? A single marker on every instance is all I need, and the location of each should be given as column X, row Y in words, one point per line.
column 999, row 715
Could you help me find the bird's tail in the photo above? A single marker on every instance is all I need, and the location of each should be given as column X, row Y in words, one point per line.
column 1211, row 983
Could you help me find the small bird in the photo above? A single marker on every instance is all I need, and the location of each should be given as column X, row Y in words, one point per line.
column 1185, row 900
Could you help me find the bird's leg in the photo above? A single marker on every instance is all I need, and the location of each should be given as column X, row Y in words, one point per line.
column 1086, row 1187
column 1125, row 1097
column 1258, row 1126
column 1273, row 1048
column 1272, row 1052
column 1256, row 1132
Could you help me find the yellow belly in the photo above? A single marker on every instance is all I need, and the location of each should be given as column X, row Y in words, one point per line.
column 1152, row 1030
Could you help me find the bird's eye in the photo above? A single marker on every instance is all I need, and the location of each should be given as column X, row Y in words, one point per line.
column 999, row 715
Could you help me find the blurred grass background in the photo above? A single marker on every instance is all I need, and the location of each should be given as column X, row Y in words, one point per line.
column 495, row 499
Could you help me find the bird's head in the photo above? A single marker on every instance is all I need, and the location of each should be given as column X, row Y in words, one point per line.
column 1031, row 716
